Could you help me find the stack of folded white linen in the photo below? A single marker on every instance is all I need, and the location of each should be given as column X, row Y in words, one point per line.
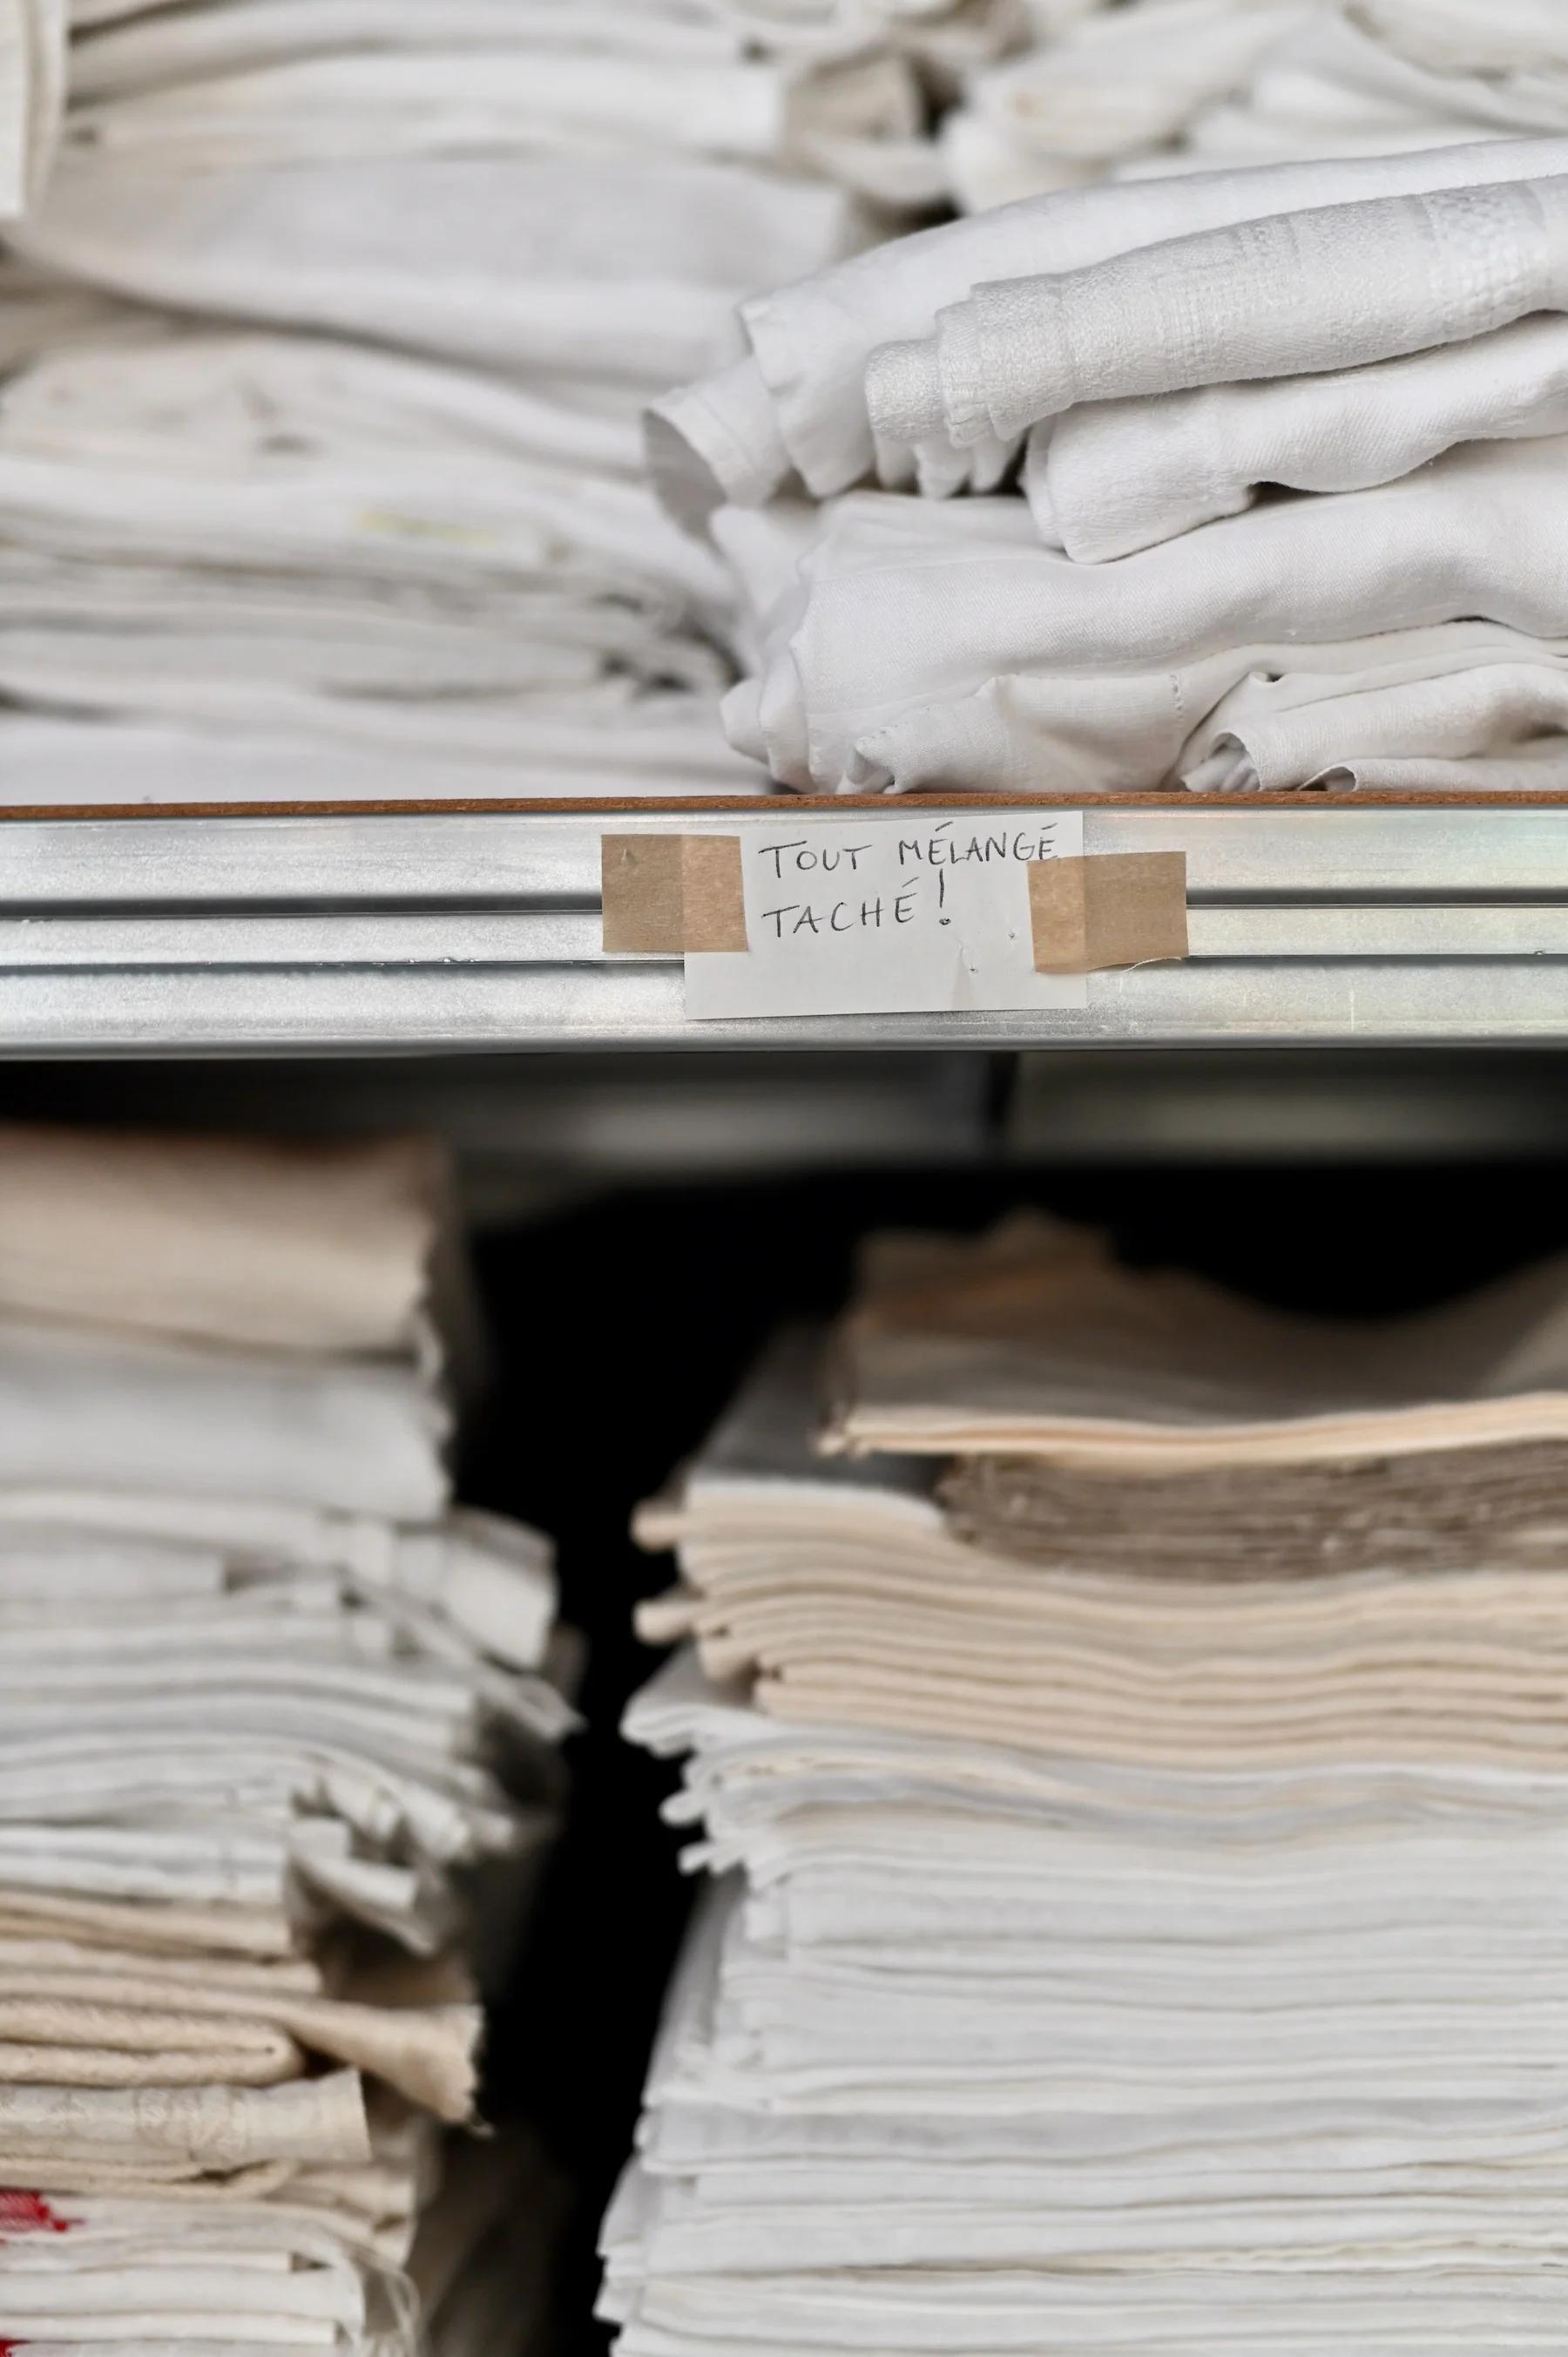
column 1168, row 85
column 277, row 1752
column 337, row 491
column 1293, row 457
column 1114, row 1950
column 1375, row 75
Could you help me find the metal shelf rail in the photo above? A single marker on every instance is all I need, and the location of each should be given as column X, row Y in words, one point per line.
column 381, row 934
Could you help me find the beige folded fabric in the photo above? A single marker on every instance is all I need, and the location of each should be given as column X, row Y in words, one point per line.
column 322, row 1246
column 110, row 2026
column 1437, row 1512
column 1034, row 1341
column 214, row 1931
column 48, row 2042
column 1403, row 1610
column 218, row 2127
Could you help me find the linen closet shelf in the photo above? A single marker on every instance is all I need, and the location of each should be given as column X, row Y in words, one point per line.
column 387, row 933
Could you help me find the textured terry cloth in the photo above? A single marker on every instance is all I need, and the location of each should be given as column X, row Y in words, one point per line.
column 799, row 401
column 1119, row 81
column 1113, row 477
column 323, row 1248
column 624, row 269
column 1328, row 288
column 906, row 611
column 1035, row 1343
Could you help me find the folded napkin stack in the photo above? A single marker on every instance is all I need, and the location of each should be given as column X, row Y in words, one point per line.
column 277, row 1748
column 319, row 460
column 1166, row 85
column 1136, row 1840
column 1293, row 453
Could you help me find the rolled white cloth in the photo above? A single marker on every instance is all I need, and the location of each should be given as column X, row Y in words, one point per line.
column 1113, row 477
column 799, row 402
column 1295, row 293
column 907, row 610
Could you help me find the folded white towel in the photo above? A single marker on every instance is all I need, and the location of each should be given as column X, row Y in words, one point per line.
column 1297, row 293
column 801, row 400
column 1112, row 477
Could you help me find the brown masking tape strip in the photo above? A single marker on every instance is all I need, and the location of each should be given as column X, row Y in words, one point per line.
column 1122, row 909
column 664, row 894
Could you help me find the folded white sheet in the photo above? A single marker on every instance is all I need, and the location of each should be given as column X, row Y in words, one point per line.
column 1121, row 81
column 1328, row 288
column 799, row 401
column 993, row 2034
column 117, row 1414
column 1112, row 477
column 1357, row 81
column 943, row 646
column 617, row 267
column 663, row 746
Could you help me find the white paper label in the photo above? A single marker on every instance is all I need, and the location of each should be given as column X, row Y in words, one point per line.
column 908, row 915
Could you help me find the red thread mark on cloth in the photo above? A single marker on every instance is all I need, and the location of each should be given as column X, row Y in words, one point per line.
column 26, row 2213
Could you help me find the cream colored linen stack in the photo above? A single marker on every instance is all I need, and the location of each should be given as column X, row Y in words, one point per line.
column 1133, row 1787
column 276, row 1740
column 1291, row 444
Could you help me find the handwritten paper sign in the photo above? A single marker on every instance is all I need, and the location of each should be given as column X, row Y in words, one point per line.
column 907, row 915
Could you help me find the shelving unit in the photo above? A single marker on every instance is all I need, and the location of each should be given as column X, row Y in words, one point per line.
column 395, row 932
